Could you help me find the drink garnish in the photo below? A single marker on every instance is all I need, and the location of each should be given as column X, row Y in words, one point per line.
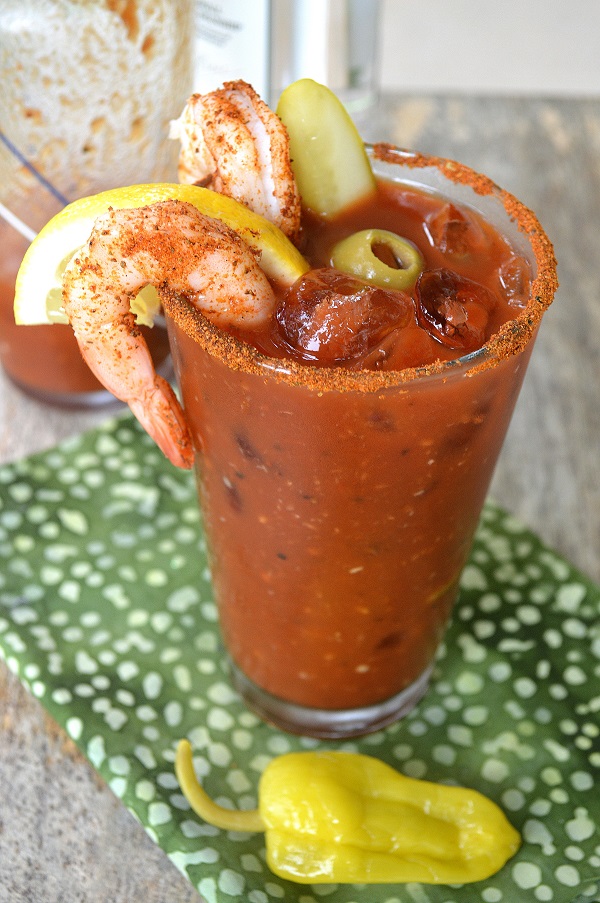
column 381, row 257
column 38, row 291
column 329, row 160
column 341, row 817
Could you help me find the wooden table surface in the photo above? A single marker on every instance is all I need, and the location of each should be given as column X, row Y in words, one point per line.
column 63, row 835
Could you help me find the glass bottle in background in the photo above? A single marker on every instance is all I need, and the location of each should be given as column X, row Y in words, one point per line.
column 89, row 88
column 335, row 42
column 271, row 43
column 231, row 41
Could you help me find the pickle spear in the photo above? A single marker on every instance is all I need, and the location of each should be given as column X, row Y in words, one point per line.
column 329, row 160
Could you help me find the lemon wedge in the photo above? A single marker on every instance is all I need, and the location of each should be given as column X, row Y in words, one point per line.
column 329, row 160
column 38, row 290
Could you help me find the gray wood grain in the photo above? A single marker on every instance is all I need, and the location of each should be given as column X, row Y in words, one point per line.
column 63, row 836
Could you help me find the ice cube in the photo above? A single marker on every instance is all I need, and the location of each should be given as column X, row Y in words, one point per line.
column 453, row 309
column 452, row 230
column 409, row 346
column 515, row 278
column 329, row 316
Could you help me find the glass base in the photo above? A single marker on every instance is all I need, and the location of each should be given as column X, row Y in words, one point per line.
column 328, row 724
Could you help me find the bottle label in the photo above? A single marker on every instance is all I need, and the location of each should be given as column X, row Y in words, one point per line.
column 231, row 41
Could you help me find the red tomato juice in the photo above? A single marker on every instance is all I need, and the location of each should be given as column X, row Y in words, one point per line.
column 340, row 502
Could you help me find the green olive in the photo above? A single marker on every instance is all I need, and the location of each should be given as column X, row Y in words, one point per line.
column 363, row 254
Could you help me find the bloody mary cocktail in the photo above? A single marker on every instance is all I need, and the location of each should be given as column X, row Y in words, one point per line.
column 342, row 470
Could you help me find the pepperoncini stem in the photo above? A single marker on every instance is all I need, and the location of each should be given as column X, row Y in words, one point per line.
column 201, row 803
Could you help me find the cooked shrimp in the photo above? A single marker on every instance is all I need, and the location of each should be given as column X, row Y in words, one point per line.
column 173, row 247
column 234, row 144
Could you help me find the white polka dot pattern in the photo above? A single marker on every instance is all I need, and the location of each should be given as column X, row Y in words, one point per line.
column 107, row 617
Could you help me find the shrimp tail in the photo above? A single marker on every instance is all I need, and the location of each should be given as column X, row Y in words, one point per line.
column 160, row 413
column 178, row 250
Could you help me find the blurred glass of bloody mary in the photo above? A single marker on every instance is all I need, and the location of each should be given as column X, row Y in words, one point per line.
column 88, row 93
column 340, row 502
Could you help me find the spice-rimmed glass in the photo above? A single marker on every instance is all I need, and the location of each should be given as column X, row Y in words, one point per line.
column 340, row 506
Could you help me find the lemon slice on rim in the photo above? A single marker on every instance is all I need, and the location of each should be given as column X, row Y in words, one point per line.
column 38, row 290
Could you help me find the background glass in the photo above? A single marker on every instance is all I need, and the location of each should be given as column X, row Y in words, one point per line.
column 88, row 89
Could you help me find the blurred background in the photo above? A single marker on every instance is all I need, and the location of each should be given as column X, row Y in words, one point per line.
column 515, row 47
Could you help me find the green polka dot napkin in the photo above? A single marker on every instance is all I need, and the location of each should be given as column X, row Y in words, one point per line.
column 107, row 617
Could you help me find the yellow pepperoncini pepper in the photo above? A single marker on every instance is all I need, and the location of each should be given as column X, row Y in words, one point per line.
column 348, row 818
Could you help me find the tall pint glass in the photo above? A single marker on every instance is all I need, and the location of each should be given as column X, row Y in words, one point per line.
column 340, row 506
